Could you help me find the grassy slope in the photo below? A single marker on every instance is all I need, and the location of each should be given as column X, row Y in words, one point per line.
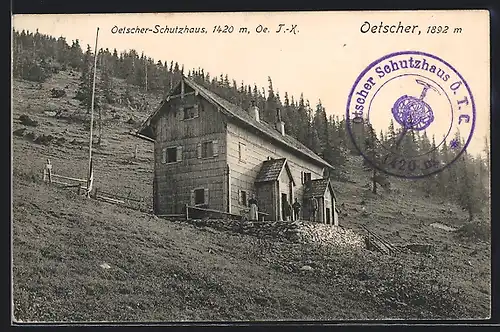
column 173, row 271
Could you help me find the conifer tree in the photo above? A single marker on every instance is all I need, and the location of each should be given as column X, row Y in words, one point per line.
column 75, row 56
column 486, row 151
column 271, row 103
column 469, row 193
column 371, row 146
column 391, row 135
column 84, row 93
column 106, row 81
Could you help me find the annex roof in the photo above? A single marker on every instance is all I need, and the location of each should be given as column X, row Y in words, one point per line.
column 271, row 170
column 317, row 188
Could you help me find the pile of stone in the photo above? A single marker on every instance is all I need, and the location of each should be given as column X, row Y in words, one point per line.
column 296, row 232
column 329, row 235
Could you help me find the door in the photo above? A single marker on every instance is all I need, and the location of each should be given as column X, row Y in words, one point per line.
column 283, row 206
column 328, row 219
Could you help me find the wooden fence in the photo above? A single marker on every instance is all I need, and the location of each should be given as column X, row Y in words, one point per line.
column 128, row 200
column 72, row 182
column 61, row 180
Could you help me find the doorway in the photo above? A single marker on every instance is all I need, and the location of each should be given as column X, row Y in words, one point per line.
column 283, row 206
column 328, row 220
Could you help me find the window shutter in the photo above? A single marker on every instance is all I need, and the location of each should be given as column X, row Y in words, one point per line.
column 215, row 148
column 206, row 196
column 240, row 200
column 179, row 153
column 198, row 150
column 302, row 177
column 192, row 197
column 241, row 149
column 163, row 155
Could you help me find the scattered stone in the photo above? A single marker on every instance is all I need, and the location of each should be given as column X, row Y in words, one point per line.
column 105, row 266
column 50, row 113
column 306, row 268
column 443, row 227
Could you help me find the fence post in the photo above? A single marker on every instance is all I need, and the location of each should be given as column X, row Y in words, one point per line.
column 187, row 212
column 135, row 153
column 49, row 170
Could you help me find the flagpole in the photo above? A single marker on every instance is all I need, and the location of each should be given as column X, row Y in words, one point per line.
column 89, row 180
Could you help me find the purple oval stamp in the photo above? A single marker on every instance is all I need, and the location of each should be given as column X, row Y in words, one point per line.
column 399, row 103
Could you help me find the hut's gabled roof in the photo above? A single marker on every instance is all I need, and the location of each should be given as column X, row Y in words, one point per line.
column 236, row 113
column 271, row 170
column 317, row 188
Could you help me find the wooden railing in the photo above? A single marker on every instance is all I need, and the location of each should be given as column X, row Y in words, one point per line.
column 379, row 244
column 199, row 211
column 70, row 182
column 128, row 200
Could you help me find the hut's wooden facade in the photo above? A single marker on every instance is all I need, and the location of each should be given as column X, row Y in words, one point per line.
column 211, row 153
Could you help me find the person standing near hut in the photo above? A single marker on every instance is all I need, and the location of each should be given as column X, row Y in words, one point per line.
column 296, row 209
column 254, row 210
column 288, row 211
column 314, row 208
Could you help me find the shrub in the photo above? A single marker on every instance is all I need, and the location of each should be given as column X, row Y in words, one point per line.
column 36, row 73
column 478, row 229
column 27, row 121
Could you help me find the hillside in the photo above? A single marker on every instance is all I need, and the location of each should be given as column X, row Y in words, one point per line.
column 163, row 270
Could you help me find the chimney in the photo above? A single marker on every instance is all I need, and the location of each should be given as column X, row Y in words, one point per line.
column 280, row 125
column 254, row 111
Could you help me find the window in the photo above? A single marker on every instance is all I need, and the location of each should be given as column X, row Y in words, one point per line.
column 190, row 112
column 171, row 154
column 199, row 196
column 208, row 149
column 243, row 197
column 306, row 177
column 242, row 148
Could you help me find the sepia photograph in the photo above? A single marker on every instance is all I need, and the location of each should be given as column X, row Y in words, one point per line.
column 250, row 167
